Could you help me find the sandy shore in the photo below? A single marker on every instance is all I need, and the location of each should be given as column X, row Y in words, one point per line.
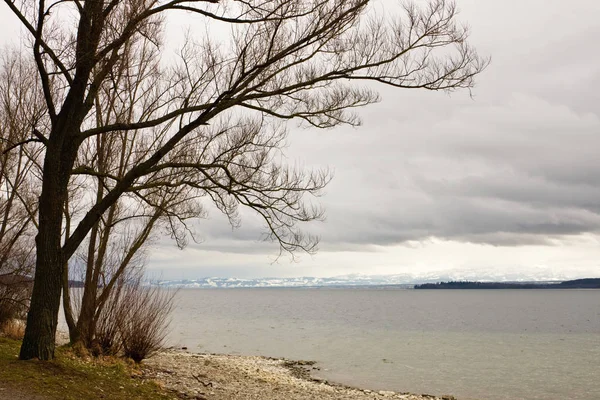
column 227, row 377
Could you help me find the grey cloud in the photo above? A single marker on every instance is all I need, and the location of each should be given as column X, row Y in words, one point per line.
column 517, row 164
column 509, row 173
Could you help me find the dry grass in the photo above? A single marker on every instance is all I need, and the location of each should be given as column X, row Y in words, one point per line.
column 69, row 377
column 13, row 329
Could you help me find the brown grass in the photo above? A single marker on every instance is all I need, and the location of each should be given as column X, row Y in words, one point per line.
column 13, row 329
column 69, row 377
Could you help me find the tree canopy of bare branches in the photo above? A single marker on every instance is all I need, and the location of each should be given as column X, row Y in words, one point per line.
column 19, row 170
column 115, row 245
column 213, row 121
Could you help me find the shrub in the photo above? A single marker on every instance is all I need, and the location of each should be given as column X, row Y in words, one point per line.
column 145, row 320
column 107, row 339
column 15, row 292
column 134, row 319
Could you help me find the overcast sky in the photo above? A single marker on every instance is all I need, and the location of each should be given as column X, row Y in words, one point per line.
column 505, row 181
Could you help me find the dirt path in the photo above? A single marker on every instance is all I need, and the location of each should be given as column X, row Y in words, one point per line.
column 11, row 393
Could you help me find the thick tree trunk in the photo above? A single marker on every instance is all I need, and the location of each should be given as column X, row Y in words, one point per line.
column 42, row 318
column 45, row 299
column 43, row 315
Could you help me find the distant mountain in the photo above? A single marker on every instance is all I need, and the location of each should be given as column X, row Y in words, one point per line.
column 404, row 281
column 283, row 282
column 591, row 283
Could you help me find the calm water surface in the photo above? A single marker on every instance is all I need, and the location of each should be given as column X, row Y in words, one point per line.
column 474, row 344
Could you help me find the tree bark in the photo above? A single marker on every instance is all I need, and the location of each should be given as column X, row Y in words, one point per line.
column 42, row 318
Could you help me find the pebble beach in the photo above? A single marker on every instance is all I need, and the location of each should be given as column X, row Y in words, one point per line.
column 233, row 377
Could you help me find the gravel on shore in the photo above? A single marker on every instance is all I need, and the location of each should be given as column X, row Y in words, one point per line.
column 232, row 377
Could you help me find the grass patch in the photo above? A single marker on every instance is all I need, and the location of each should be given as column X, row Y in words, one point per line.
column 72, row 378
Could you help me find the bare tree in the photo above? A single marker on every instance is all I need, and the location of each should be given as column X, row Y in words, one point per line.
column 116, row 242
column 18, row 182
column 221, row 109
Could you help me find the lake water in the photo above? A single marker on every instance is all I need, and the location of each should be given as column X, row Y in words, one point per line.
column 474, row 344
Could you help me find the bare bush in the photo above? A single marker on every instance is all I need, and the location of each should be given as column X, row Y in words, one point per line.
column 145, row 322
column 15, row 291
column 107, row 339
column 134, row 320
column 18, row 185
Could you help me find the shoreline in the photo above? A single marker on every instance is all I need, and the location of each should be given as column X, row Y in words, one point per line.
column 206, row 376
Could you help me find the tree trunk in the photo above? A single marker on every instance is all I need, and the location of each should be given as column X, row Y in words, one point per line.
column 66, row 291
column 42, row 317
column 74, row 334
column 85, row 322
column 45, row 299
column 88, row 301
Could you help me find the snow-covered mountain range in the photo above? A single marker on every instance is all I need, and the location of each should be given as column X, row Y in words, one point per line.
column 282, row 282
column 406, row 280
